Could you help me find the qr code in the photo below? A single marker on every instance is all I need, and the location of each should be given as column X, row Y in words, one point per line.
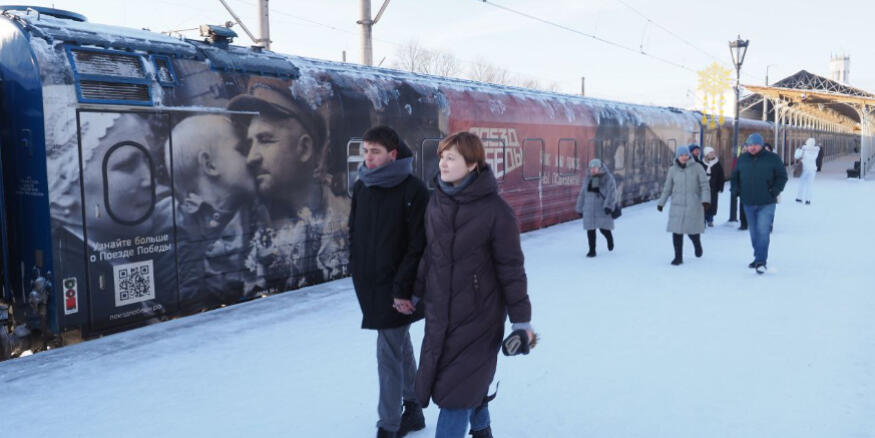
column 134, row 282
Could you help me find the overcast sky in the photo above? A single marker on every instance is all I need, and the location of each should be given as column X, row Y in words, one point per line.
column 786, row 35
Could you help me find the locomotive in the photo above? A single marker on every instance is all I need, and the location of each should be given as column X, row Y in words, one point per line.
column 146, row 176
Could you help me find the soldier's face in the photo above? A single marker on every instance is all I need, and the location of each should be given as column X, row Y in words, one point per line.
column 754, row 148
column 230, row 162
column 279, row 154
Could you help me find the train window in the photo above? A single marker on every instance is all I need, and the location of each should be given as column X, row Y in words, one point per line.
column 164, row 70
column 672, row 146
column 354, row 159
column 109, row 76
column 497, row 157
column 567, row 160
column 429, row 161
column 126, row 166
column 533, row 158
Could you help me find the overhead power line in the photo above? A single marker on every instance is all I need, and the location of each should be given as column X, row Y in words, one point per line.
column 595, row 37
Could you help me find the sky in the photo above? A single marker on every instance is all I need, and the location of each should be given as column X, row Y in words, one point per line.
column 785, row 36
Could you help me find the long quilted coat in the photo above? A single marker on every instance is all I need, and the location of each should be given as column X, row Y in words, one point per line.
column 471, row 278
column 688, row 187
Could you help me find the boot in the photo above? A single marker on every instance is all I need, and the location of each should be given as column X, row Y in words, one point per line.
column 412, row 418
column 697, row 244
column 483, row 433
column 590, row 237
column 678, row 241
column 383, row 433
column 609, row 237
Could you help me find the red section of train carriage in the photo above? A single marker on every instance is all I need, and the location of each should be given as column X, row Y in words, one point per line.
column 537, row 150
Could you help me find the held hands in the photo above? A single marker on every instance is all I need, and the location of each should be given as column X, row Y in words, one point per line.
column 404, row 306
column 659, row 207
column 706, row 205
column 607, row 211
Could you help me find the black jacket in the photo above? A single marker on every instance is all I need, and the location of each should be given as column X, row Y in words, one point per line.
column 386, row 240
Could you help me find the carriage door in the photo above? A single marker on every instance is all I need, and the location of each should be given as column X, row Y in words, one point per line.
column 128, row 218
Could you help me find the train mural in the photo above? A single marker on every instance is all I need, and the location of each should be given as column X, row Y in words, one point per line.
column 146, row 177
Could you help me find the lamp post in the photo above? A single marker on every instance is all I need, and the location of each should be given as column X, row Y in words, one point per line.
column 738, row 49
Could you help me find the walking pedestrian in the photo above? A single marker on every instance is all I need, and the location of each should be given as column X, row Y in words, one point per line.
column 596, row 202
column 471, row 279
column 387, row 238
column 758, row 178
column 716, row 180
column 807, row 155
column 696, row 154
column 687, row 186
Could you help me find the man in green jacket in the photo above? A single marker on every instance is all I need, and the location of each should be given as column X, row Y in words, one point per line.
column 758, row 178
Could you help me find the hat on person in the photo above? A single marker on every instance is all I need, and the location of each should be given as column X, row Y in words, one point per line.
column 595, row 162
column 754, row 139
column 681, row 150
column 707, row 150
column 273, row 96
column 693, row 147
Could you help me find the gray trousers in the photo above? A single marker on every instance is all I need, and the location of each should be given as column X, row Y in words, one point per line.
column 396, row 367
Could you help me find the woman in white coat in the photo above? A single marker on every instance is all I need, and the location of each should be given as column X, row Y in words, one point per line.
column 807, row 154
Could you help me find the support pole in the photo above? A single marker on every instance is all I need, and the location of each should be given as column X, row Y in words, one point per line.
column 264, row 24
column 733, row 207
column 366, row 47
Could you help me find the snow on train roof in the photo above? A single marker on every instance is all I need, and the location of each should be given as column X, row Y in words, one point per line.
column 431, row 84
column 102, row 35
column 374, row 81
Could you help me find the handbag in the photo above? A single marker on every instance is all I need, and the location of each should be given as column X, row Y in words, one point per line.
column 617, row 211
column 797, row 169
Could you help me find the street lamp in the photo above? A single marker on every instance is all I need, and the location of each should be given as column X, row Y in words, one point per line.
column 738, row 49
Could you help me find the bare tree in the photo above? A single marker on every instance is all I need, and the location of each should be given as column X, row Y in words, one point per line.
column 413, row 57
column 486, row 72
column 445, row 64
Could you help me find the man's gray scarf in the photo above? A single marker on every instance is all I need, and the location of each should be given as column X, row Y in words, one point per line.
column 388, row 175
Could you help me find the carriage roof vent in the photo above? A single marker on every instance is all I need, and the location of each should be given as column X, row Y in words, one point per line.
column 52, row 12
column 218, row 35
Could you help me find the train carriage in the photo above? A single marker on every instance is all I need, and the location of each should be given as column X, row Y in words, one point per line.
column 146, row 177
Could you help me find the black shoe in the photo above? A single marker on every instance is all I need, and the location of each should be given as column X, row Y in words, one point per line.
column 412, row 419
column 742, row 228
column 383, row 433
column 699, row 250
column 590, row 254
column 677, row 261
column 761, row 268
column 807, row 202
column 752, row 264
column 611, row 245
column 798, row 200
column 483, row 433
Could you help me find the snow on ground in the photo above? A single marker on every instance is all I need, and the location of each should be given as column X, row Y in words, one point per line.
column 631, row 346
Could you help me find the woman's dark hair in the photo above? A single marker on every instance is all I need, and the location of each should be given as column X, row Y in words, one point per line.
column 469, row 146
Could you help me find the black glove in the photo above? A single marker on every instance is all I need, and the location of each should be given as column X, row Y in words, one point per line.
column 516, row 343
column 659, row 207
column 706, row 205
column 607, row 211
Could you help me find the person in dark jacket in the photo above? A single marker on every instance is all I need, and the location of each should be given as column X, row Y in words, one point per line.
column 687, row 186
column 758, row 178
column 387, row 238
column 820, row 158
column 471, row 279
column 696, row 154
column 716, row 180
column 596, row 202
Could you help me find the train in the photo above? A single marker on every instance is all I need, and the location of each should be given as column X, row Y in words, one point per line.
column 147, row 177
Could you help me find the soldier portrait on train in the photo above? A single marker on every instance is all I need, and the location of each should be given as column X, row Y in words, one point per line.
column 306, row 240
column 217, row 211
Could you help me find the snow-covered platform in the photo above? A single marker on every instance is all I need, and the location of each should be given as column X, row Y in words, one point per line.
column 631, row 346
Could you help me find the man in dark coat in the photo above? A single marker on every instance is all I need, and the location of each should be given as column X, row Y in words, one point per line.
column 387, row 238
column 471, row 278
column 758, row 178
